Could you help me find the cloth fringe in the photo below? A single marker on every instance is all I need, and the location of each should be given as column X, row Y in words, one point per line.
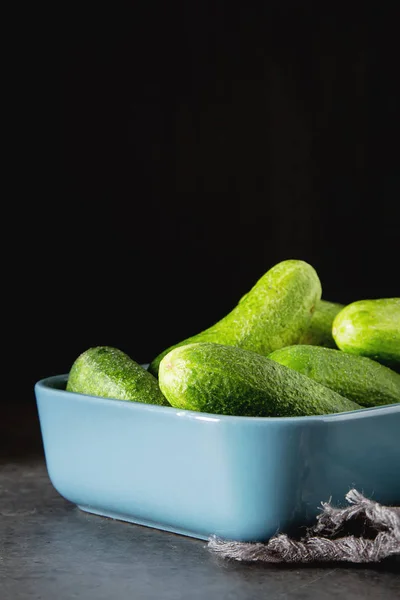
column 318, row 545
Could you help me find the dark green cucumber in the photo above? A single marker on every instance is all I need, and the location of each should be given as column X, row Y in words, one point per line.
column 110, row 373
column 319, row 331
column 358, row 378
column 228, row 380
column 274, row 313
column 370, row 328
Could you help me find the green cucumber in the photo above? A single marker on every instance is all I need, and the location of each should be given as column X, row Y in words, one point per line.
column 110, row 373
column 218, row 379
column 319, row 332
column 274, row 313
column 370, row 328
column 361, row 379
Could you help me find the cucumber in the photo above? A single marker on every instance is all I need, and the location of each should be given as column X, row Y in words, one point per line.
column 218, row 379
column 370, row 328
column 110, row 373
column 361, row 379
column 274, row 313
column 319, row 332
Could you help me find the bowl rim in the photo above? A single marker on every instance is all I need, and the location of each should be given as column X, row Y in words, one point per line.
column 49, row 383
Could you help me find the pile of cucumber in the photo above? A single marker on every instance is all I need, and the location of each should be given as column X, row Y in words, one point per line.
column 281, row 351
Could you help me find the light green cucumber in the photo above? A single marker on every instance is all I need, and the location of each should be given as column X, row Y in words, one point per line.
column 274, row 313
column 110, row 373
column 370, row 328
column 358, row 378
column 228, row 380
column 319, row 331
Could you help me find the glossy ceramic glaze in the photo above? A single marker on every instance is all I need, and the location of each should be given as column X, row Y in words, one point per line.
column 242, row 478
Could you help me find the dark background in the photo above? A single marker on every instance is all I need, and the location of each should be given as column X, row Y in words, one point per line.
column 183, row 151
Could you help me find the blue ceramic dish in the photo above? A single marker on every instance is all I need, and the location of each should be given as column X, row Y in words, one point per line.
column 197, row 474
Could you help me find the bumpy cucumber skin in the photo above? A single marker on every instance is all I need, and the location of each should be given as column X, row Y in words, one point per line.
column 319, row 331
column 228, row 380
column 110, row 373
column 274, row 313
column 370, row 328
column 358, row 378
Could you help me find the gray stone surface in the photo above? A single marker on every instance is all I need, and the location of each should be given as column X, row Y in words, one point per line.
column 50, row 550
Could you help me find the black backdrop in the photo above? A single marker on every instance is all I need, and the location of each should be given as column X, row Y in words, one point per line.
column 190, row 150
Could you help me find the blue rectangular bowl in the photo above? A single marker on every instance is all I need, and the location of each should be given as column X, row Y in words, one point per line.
column 197, row 474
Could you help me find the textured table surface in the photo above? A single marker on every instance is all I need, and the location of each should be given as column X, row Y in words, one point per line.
column 49, row 549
